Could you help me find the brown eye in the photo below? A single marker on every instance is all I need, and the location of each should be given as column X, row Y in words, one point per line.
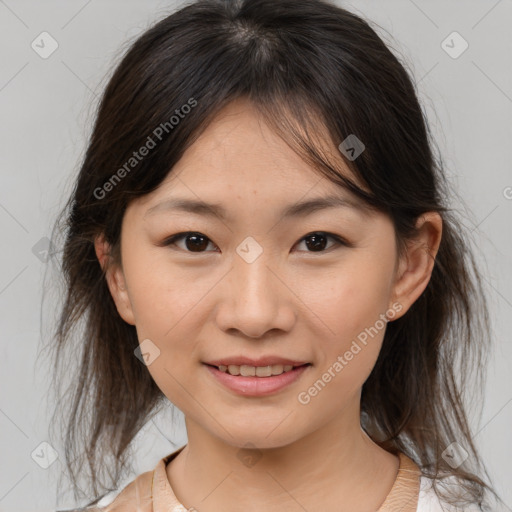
column 194, row 241
column 317, row 241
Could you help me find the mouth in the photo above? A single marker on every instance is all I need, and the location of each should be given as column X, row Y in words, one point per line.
column 256, row 381
column 245, row 370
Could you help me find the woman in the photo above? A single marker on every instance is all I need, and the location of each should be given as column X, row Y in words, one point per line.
column 259, row 234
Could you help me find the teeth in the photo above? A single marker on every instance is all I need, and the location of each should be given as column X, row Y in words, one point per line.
column 255, row 371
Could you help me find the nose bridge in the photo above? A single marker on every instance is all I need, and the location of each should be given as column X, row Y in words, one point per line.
column 253, row 282
column 254, row 298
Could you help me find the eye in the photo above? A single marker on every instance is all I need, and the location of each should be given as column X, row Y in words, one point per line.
column 317, row 241
column 194, row 241
column 197, row 242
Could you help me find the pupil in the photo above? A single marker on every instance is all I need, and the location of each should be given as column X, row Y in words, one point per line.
column 196, row 245
column 317, row 244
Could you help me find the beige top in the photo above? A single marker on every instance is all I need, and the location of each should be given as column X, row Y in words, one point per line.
column 152, row 492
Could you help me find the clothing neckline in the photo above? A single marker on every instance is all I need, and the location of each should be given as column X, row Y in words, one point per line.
column 403, row 496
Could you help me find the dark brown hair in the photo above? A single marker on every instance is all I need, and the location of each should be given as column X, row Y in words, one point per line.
column 313, row 70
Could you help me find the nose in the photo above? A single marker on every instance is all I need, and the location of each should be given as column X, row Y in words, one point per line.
column 255, row 299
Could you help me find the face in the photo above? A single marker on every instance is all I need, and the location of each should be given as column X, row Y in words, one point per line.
column 313, row 286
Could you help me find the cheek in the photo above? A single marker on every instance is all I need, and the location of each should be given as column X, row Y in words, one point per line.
column 352, row 307
column 350, row 300
column 164, row 298
column 351, row 304
column 170, row 309
column 167, row 310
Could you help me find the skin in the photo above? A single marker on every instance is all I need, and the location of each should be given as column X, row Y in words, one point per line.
column 292, row 301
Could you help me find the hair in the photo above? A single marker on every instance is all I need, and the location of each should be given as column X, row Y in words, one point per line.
column 317, row 73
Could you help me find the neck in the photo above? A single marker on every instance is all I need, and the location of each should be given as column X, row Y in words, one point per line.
column 332, row 468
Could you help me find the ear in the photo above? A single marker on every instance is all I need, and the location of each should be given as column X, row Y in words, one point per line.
column 415, row 267
column 115, row 279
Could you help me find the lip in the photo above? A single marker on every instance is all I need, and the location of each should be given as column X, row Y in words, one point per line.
column 261, row 361
column 257, row 386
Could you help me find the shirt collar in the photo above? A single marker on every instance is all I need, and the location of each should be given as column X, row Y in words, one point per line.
column 403, row 495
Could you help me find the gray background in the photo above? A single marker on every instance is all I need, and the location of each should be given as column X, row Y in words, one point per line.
column 47, row 107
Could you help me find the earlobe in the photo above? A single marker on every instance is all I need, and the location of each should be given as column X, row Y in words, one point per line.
column 115, row 279
column 415, row 268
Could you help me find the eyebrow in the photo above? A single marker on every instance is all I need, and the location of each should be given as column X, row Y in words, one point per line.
column 301, row 209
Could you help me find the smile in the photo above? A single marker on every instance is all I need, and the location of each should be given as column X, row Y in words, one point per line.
column 257, row 380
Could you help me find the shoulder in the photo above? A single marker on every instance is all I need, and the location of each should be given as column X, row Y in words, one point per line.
column 135, row 496
column 429, row 501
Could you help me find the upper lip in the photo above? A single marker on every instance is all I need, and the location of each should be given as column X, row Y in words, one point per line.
column 261, row 361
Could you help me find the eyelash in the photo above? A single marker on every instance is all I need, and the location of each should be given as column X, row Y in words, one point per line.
column 179, row 236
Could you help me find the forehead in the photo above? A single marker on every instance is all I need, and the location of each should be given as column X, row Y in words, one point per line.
column 239, row 152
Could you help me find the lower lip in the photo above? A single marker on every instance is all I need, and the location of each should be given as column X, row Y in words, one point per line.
column 257, row 386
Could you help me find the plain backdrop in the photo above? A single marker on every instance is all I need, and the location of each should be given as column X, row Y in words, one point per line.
column 47, row 107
